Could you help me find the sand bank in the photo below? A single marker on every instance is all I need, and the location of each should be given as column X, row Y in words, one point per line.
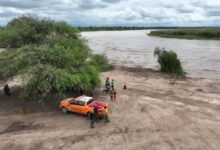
column 150, row 114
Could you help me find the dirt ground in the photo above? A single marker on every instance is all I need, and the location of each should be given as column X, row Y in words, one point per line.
column 151, row 114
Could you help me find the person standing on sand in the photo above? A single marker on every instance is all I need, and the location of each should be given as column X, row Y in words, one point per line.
column 113, row 84
column 92, row 118
column 107, row 86
column 111, row 95
column 114, row 94
column 96, row 109
column 105, row 114
column 107, row 81
column 7, row 90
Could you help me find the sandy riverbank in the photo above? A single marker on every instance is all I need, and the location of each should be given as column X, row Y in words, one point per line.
column 151, row 114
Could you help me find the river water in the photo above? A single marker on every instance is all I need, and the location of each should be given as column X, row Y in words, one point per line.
column 200, row 58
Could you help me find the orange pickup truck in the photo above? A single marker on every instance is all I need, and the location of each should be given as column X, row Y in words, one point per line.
column 82, row 105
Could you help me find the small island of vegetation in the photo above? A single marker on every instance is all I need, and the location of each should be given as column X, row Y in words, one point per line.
column 189, row 33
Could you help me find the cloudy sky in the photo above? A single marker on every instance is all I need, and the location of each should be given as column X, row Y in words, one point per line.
column 117, row 12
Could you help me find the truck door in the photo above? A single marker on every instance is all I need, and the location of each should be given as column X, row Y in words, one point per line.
column 74, row 105
column 77, row 106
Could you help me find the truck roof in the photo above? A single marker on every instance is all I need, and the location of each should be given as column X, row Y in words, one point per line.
column 84, row 98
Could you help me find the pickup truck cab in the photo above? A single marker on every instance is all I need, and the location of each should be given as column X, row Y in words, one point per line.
column 82, row 105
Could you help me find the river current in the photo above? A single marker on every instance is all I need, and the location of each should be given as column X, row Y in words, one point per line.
column 199, row 58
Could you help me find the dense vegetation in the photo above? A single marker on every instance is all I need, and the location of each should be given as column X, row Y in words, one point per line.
column 29, row 30
column 49, row 57
column 115, row 28
column 190, row 33
column 169, row 62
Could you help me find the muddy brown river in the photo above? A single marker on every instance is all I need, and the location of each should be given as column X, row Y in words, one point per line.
column 200, row 58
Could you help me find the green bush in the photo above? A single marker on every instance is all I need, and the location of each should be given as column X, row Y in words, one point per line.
column 101, row 62
column 169, row 62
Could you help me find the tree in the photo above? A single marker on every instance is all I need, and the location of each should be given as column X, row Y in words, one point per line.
column 54, row 60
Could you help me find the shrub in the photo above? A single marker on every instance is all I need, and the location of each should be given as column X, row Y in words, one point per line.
column 169, row 62
column 101, row 62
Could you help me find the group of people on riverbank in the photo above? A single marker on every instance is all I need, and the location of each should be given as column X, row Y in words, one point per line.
column 110, row 88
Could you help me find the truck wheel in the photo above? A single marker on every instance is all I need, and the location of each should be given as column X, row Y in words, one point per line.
column 64, row 110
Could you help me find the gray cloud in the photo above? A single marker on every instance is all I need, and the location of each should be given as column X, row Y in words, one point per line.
column 207, row 4
column 165, row 5
column 145, row 14
column 7, row 14
column 91, row 4
column 210, row 8
column 213, row 13
column 185, row 9
column 18, row 4
column 116, row 12
column 112, row 1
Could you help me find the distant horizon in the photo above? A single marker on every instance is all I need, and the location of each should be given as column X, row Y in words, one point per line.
column 130, row 26
column 151, row 26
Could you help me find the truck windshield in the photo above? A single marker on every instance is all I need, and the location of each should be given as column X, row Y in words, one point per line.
column 90, row 101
